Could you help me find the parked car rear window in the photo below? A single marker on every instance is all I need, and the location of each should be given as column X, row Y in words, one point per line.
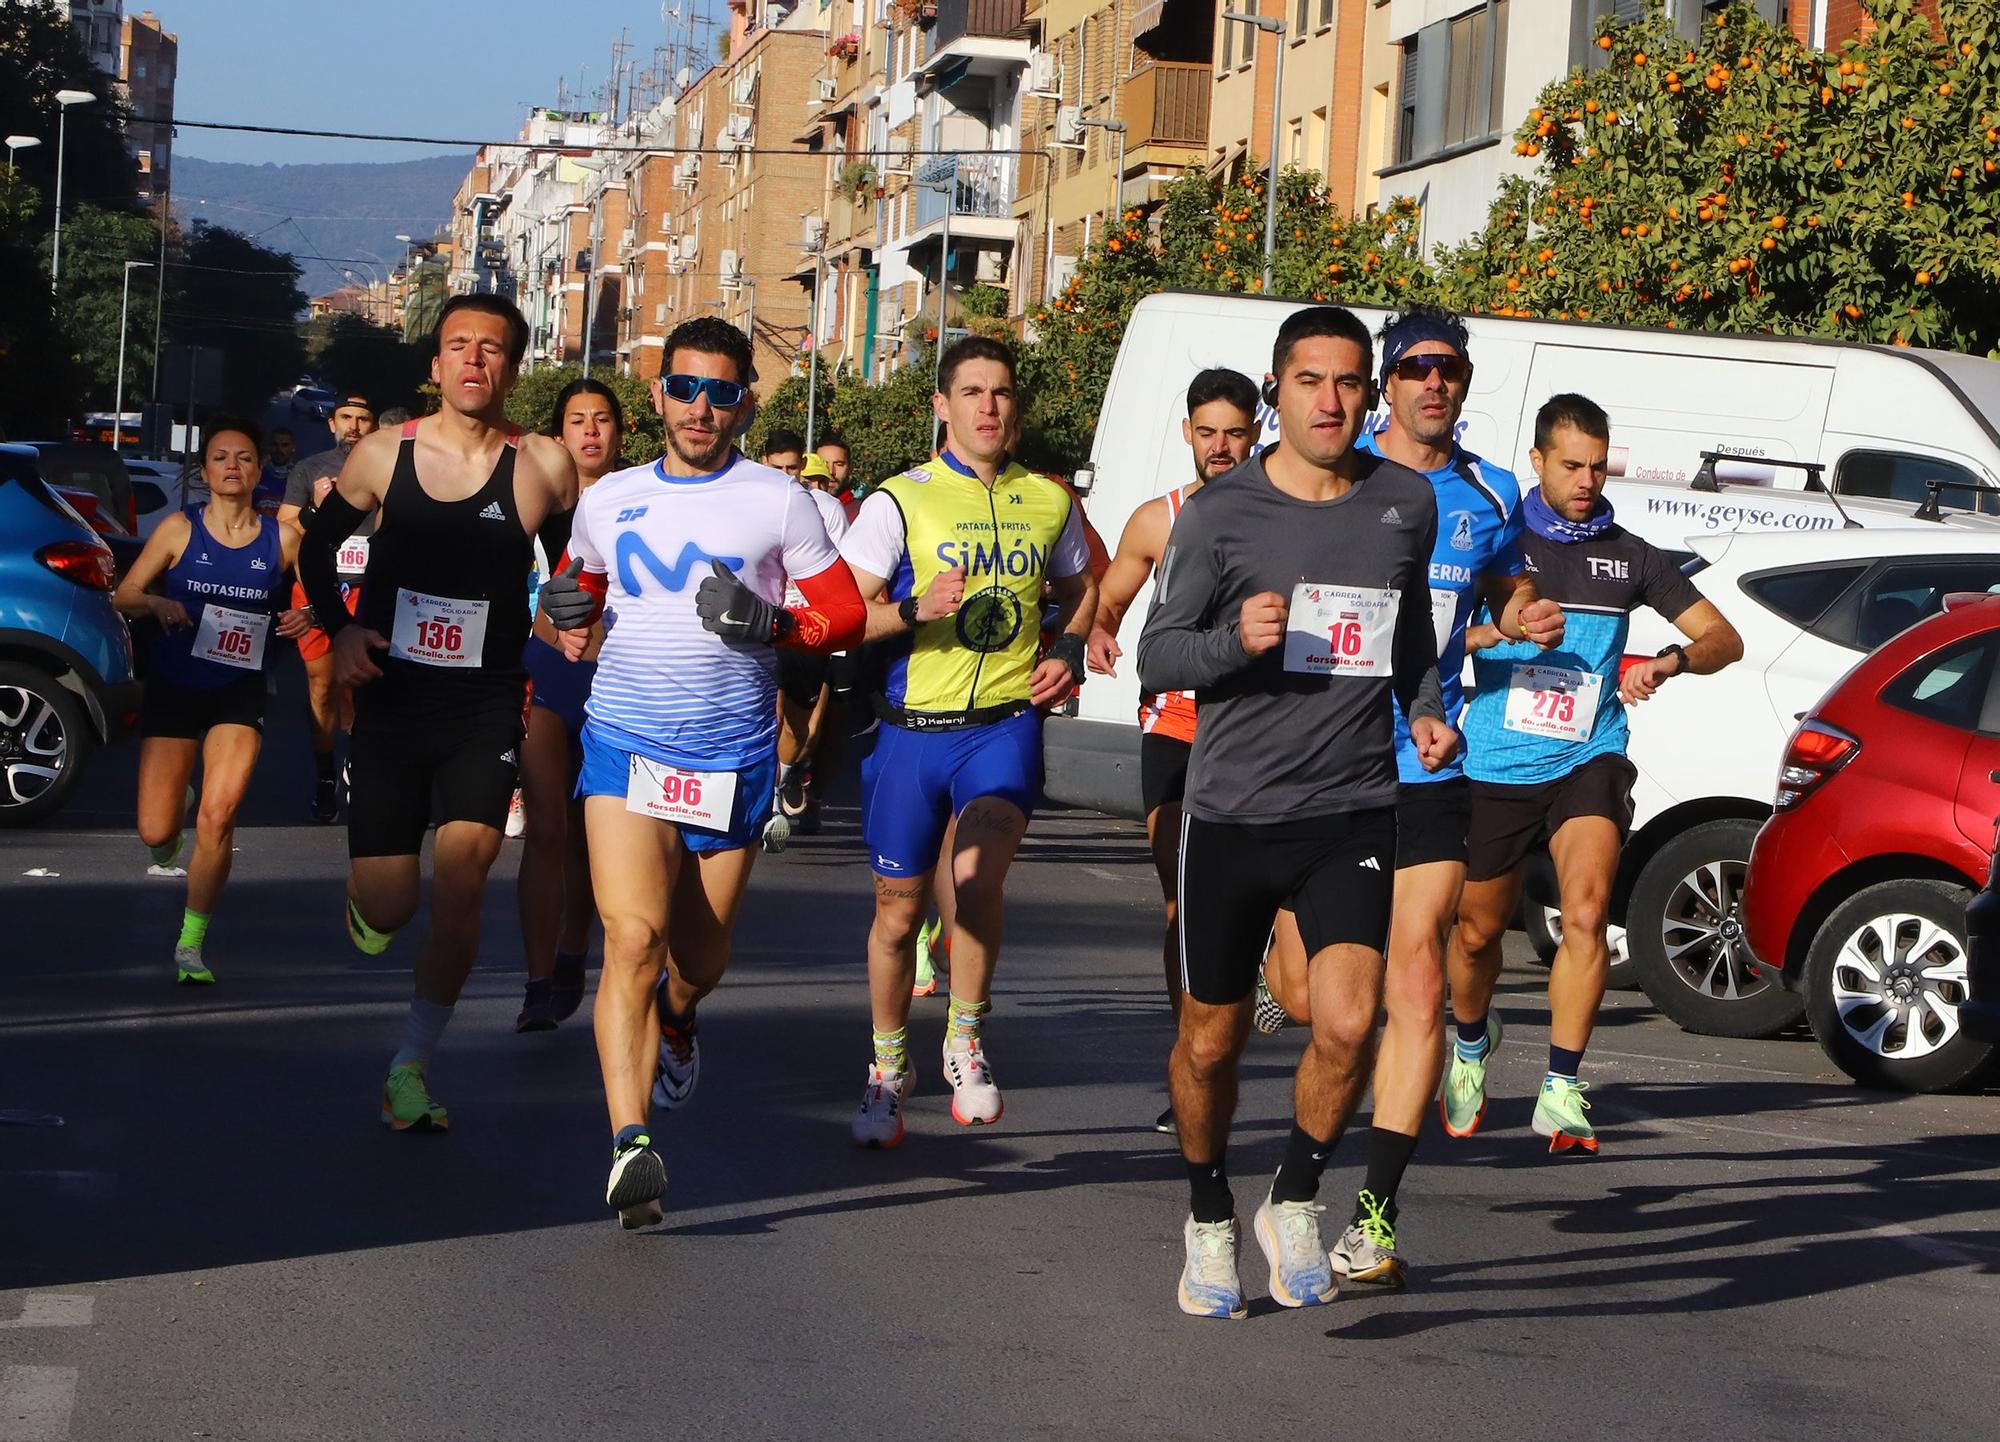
column 1947, row 686
column 1902, row 595
column 1802, row 596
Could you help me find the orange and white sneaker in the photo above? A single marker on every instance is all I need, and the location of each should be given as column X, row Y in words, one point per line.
column 975, row 1096
column 879, row 1123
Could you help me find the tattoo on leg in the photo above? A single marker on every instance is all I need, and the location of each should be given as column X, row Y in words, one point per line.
column 994, row 817
column 893, row 889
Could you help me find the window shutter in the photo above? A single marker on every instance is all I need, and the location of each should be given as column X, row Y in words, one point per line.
column 1433, row 60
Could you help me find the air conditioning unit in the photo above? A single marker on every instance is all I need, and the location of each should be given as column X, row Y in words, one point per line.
column 626, row 238
column 826, row 90
column 732, row 269
column 660, row 313
column 813, row 233
column 736, row 130
column 743, row 89
column 992, row 267
column 1069, row 125
column 900, row 159
column 1044, row 74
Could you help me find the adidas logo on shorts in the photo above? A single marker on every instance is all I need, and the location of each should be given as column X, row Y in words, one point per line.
column 492, row 512
column 509, row 757
column 1371, row 864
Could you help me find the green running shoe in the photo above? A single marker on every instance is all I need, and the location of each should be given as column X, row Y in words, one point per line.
column 190, row 969
column 167, row 852
column 370, row 941
column 926, row 967
column 406, row 1101
column 1462, row 1099
column 1559, row 1115
column 1366, row 1251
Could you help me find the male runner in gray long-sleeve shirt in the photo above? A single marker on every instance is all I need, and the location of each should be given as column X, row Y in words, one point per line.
column 1293, row 599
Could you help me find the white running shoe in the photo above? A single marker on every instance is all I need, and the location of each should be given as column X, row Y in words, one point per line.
column 517, row 817
column 680, row 1065
column 1209, row 1284
column 1301, row 1271
column 777, row 833
column 879, row 1123
column 975, row 1096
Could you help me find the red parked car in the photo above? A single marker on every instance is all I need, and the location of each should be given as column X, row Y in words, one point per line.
column 1884, row 830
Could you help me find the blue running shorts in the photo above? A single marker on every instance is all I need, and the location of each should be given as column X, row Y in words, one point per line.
column 607, row 768
column 916, row 781
column 560, row 686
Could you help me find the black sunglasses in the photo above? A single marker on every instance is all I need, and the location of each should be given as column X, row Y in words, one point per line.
column 1455, row 369
column 723, row 395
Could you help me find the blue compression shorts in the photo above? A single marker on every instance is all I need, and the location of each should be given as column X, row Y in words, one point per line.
column 915, row 782
column 561, row 686
column 607, row 768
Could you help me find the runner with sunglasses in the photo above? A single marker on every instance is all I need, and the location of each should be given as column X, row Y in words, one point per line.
column 687, row 559
column 1426, row 373
column 434, row 659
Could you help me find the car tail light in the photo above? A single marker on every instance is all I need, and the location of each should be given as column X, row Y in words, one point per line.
column 81, row 562
column 1817, row 751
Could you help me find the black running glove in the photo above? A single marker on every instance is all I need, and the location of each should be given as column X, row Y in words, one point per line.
column 564, row 601
column 732, row 610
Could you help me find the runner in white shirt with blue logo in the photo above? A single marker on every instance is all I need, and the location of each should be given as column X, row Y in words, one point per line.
column 1426, row 374
column 688, row 558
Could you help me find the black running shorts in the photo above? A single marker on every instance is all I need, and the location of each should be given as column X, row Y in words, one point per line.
column 1335, row 873
column 1432, row 818
column 801, row 674
column 1509, row 822
column 412, row 770
column 1163, row 768
column 185, row 713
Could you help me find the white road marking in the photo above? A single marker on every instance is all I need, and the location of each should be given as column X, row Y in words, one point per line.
column 1102, row 874
column 53, row 1309
column 36, row 1402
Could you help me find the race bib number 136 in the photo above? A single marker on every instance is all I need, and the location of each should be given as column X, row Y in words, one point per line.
column 438, row 630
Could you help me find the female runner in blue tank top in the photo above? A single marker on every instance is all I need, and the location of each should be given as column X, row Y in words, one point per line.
column 213, row 578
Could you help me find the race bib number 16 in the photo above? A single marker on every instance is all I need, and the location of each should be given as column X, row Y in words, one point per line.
column 1341, row 630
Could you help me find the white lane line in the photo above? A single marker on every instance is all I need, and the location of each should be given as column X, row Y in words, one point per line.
column 53, row 1309
column 1102, row 874
column 1706, row 1124
column 1935, row 1248
column 55, row 1025
column 36, row 1402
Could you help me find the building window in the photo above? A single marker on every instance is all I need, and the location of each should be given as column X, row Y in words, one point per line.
column 1326, row 14
column 1228, row 45
column 1298, row 144
column 1452, row 85
column 1301, row 11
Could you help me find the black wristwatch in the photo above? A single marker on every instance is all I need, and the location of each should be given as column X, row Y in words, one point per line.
column 1675, row 650
column 907, row 609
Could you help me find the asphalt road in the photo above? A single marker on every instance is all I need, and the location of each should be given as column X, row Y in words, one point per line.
column 222, row 1242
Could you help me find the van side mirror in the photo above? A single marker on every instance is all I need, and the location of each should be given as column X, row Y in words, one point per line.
column 1083, row 479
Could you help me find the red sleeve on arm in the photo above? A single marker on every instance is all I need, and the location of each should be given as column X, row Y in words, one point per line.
column 834, row 617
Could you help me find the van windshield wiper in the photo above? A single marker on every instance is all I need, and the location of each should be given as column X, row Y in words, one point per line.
column 1706, row 477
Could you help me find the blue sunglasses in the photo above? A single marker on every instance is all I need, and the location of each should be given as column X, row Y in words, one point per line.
column 723, row 395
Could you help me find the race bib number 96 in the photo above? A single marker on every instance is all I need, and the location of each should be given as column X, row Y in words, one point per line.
column 232, row 638
column 1553, row 701
column 673, row 793
column 437, row 630
column 1341, row 630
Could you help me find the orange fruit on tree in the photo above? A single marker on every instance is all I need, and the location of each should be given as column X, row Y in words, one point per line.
column 1638, row 57
column 1956, row 173
column 1923, row 277
column 1644, row 231
column 1590, row 107
column 1945, row 89
column 1513, row 282
column 1847, row 67
column 1909, row 122
column 1852, row 311
column 1768, row 243
column 1777, row 222
column 1610, row 117
column 1604, row 42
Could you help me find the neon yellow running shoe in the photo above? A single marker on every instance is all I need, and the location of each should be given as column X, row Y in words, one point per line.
column 926, row 967
column 1559, row 1115
column 370, row 941
column 1462, row 1098
column 407, row 1104
column 1366, row 1251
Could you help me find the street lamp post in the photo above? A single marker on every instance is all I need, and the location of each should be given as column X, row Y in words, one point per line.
column 1273, row 28
column 64, row 98
column 118, row 396
column 19, row 142
column 946, row 184
column 812, row 343
column 1118, row 178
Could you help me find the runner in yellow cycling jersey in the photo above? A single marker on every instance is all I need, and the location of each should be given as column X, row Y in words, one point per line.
column 951, row 557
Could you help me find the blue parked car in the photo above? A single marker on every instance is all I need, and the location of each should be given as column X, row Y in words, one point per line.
column 66, row 680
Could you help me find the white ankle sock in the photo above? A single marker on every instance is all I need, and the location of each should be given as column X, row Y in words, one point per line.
column 421, row 1030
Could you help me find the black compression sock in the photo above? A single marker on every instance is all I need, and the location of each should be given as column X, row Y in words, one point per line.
column 323, row 764
column 1208, row 1191
column 1388, row 1156
column 1305, row 1161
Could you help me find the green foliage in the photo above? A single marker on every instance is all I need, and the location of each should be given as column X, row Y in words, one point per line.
column 888, row 427
column 96, row 245
column 786, row 409
column 856, row 178
column 532, row 403
column 984, row 301
column 39, row 55
column 229, row 292
column 350, row 353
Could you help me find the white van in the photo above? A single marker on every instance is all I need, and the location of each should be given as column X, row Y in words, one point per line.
column 1893, row 430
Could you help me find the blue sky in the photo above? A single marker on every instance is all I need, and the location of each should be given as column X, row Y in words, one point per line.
column 405, row 67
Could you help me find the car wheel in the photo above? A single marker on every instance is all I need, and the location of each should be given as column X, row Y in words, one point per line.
column 1884, row 978
column 1686, row 930
column 44, row 740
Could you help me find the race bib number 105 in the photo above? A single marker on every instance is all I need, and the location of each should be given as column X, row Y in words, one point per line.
column 1341, row 630
column 232, row 638
column 437, row 630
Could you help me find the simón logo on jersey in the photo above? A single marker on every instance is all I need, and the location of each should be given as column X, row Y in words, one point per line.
column 994, row 553
column 690, row 564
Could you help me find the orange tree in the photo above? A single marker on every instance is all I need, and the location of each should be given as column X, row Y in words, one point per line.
column 1745, row 182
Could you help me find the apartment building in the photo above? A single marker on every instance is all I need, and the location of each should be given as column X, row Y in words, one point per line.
column 148, row 61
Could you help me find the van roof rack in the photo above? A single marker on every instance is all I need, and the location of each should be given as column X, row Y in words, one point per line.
column 1931, row 511
column 1706, row 479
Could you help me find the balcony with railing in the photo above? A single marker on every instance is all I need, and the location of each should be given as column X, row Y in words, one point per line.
column 1166, row 104
column 978, row 192
column 982, row 19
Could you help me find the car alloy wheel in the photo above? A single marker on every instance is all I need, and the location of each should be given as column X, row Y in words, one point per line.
column 1897, row 984
column 34, row 746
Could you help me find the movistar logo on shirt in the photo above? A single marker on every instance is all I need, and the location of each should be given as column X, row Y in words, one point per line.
column 689, row 564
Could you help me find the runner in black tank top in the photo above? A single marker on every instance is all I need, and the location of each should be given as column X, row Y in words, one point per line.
column 434, row 657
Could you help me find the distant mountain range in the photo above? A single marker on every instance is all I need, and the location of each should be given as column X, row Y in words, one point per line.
column 329, row 218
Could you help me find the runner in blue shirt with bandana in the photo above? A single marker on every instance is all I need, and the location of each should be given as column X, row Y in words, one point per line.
column 1545, row 736
column 1426, row 374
